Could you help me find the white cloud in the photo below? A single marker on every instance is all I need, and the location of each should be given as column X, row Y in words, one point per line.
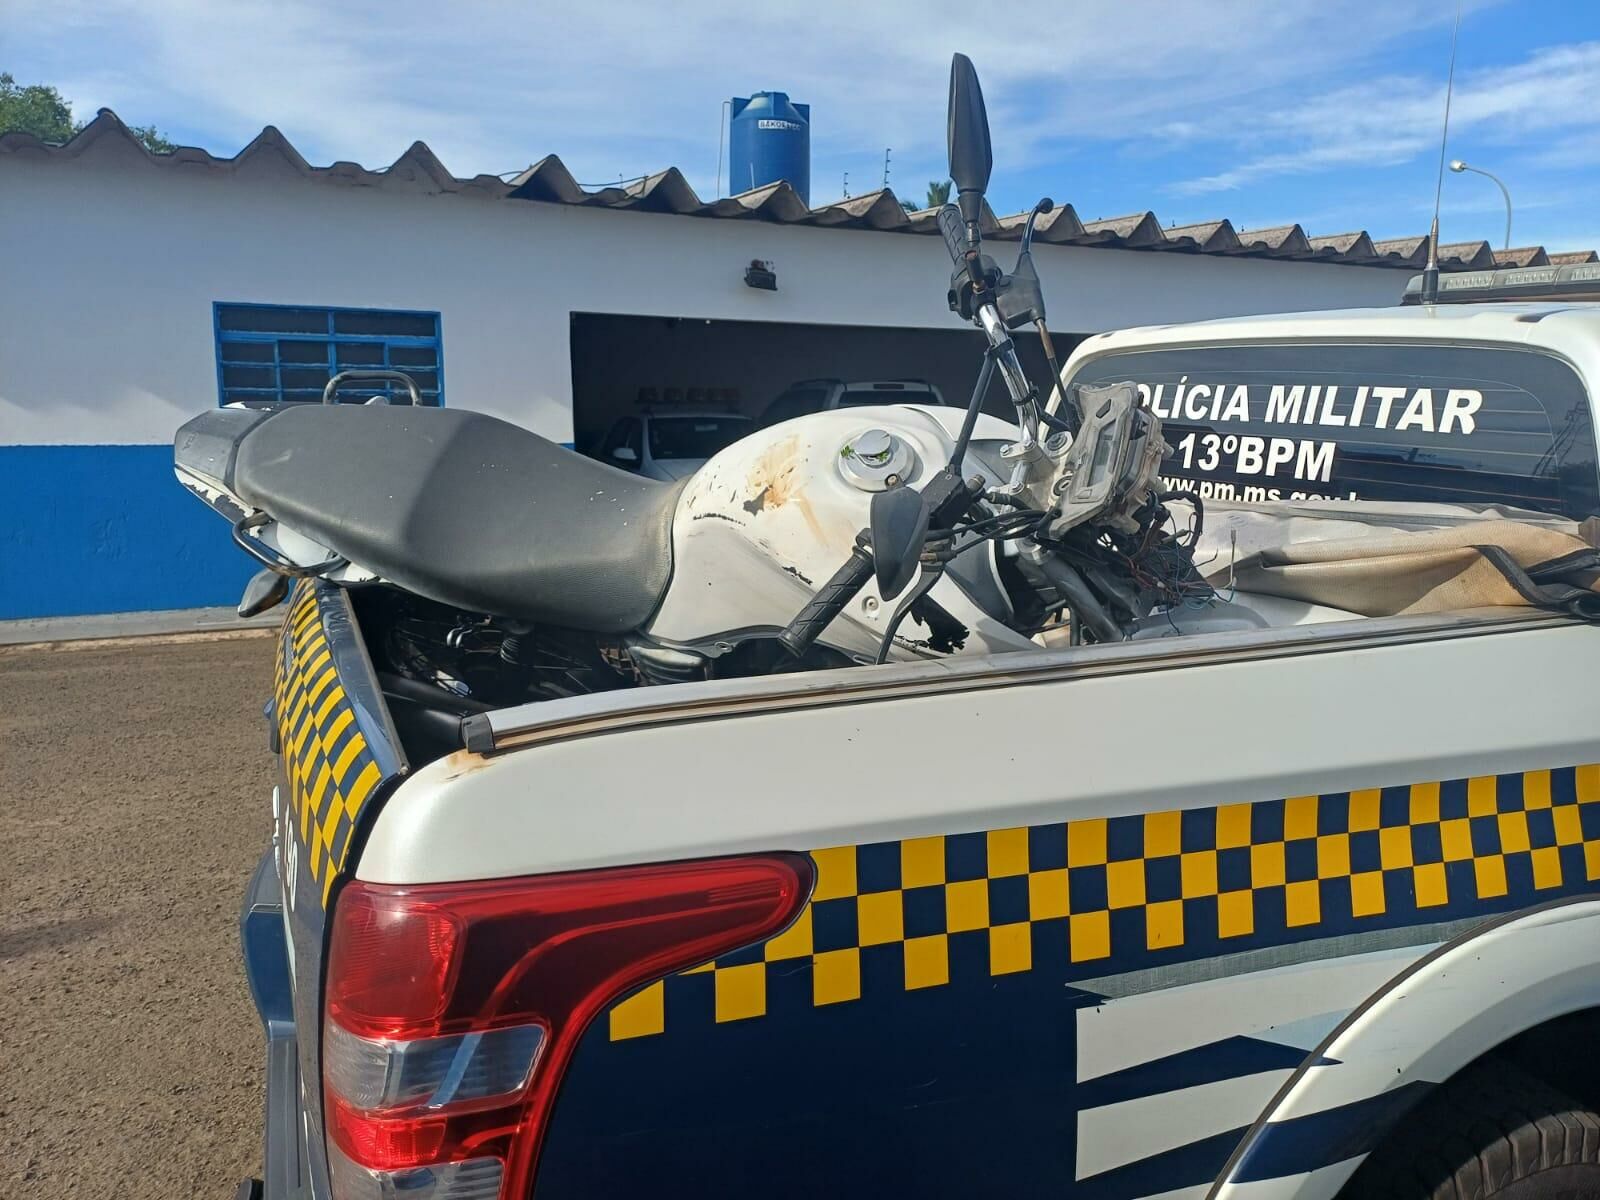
column 1554, row 96
column 1258, row 100
column 1568, row 154
column 624, row 88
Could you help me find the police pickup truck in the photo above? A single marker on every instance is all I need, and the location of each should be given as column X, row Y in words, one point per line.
column 1304, row 910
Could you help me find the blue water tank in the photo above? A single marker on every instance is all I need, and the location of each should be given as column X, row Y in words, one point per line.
column 769, row 139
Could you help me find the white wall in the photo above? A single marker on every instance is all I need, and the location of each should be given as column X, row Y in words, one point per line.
column 109, row 267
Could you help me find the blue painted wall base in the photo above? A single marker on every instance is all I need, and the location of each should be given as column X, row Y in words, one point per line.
column 103, row 529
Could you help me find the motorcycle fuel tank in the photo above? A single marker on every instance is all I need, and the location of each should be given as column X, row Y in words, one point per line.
column 768, row 520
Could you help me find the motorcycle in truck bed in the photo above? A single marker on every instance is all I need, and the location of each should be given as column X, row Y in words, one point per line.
column 910, row 803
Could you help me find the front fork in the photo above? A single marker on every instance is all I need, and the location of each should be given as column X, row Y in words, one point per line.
column 1034, row 464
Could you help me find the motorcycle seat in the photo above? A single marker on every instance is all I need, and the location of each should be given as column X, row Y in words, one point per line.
column 458, row 507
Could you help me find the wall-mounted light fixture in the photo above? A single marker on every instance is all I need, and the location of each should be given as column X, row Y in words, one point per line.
column 761, row 275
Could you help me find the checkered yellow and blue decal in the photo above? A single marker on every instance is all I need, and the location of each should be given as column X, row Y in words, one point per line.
column 922, row 1028
column 1091, row 897
column 333, row 756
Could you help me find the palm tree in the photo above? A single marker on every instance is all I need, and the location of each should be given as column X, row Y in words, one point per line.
column 938, row 193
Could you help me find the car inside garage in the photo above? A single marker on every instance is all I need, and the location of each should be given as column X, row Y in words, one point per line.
column 625, row 366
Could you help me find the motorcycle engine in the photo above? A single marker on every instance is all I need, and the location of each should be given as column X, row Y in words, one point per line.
column 484, row 660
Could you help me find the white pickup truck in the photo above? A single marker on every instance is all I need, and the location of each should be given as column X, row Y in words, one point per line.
column 1173, row 834
column 1299, row 910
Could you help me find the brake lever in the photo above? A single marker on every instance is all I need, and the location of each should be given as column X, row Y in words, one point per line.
column 1043, row 208
column 1020, row 296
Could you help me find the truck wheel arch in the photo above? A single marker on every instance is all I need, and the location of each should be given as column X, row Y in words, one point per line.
column 1449, row 1008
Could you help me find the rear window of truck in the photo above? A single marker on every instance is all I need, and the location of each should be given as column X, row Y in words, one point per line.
column 1448, row 424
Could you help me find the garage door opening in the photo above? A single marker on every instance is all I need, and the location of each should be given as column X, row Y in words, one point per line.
column 625, row 365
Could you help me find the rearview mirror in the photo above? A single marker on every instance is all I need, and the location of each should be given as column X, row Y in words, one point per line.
column 967, row 131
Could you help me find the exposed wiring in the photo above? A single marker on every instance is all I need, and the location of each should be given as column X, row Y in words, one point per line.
column 1197, row 524
column 1002, row 525
column 1145, row 568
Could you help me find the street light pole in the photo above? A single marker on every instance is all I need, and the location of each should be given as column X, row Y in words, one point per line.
column 1458, row 166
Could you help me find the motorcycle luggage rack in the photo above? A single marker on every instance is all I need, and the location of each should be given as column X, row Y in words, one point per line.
column 344, row 377
column 275, row 560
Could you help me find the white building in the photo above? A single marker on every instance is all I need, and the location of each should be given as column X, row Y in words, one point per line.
column 135, row 291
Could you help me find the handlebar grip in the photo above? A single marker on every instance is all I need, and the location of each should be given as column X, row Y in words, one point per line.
column 954, row 230
column 827, row 604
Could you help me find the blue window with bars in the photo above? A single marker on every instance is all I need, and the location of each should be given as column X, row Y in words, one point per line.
column 273, row 352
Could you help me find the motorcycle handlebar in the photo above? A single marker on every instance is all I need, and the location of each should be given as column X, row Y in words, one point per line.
column 828, row 603
column 954, row 230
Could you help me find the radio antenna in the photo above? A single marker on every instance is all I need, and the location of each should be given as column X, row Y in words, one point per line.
column 1430, row 273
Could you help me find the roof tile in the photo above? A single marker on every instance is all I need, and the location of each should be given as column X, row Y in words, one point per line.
column 1465, row 256
column 1209, row 237
column 1136, row 229
column 549, row 181
column 1280, row 241
column 1522, row 256
column 1352, row 247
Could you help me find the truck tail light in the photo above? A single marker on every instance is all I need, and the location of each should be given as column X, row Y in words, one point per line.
column 452, row 1010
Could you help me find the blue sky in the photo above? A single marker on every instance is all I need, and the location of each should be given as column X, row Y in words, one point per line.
column 1324, row 112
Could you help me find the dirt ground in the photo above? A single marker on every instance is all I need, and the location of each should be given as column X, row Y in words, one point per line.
column 134, row 783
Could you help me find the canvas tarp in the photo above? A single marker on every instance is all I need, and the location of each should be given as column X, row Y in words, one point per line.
column 1393, row 559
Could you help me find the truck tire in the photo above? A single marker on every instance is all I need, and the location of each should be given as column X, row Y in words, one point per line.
column 1492, row 1131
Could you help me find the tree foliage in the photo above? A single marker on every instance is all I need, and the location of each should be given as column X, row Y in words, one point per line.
column 153, row 141
column 42, row 111
column 938, row 195
column 36, row 109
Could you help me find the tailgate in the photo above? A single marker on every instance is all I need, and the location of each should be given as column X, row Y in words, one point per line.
column 338, row 757
column 331, row 730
